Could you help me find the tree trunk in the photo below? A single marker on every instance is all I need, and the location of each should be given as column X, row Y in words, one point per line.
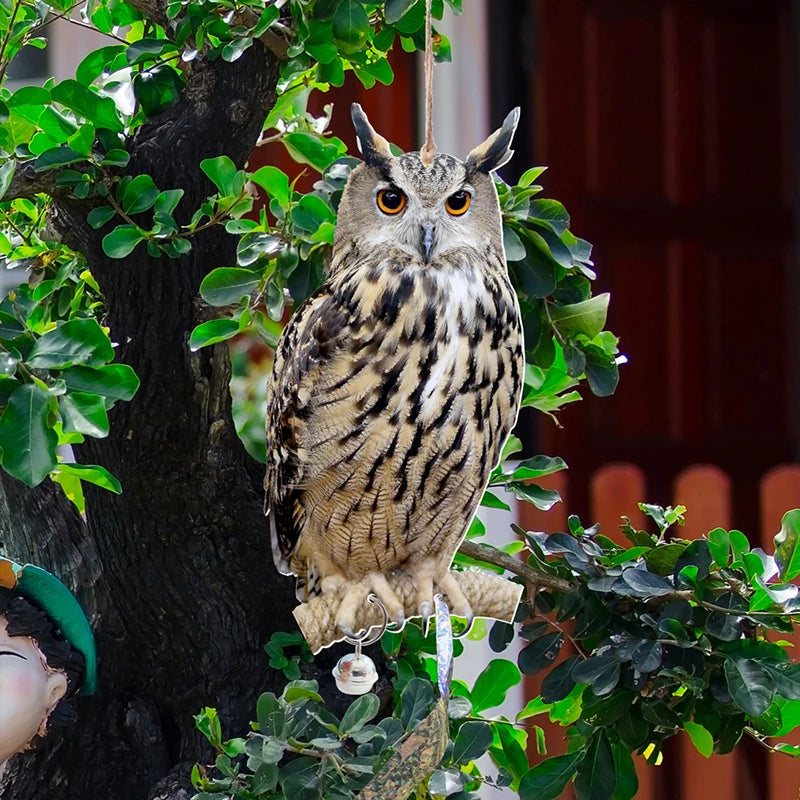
column 175, row 573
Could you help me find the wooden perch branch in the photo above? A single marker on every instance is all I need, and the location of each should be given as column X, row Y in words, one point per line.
column 489, row 595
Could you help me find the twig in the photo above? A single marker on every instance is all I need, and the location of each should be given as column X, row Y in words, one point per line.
column 762, row 740
column 65, row 15
column 491, row 555
column 13, row 225
column 3, row 60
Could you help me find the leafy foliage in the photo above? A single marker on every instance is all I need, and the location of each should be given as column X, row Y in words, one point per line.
column 639, row 642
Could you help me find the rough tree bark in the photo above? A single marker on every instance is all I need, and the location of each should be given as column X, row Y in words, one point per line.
column 175, row 573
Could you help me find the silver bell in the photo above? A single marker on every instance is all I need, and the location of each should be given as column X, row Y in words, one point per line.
column 355, row 673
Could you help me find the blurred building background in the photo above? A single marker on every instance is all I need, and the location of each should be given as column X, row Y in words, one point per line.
column 670, row 129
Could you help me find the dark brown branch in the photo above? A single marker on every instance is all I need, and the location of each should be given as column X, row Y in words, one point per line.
column 491, row 555
column 152, row 9
column 28, row 183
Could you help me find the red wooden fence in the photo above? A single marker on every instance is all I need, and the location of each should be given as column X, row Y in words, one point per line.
column 750, row 773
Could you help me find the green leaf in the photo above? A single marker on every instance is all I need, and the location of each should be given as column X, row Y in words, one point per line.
column 645, row 583
column 394, row 9
column 491, row 500
column 512, row 245
column 233, row 49
column 647, row 657
column 787, row 552
column 101, row 110
column 116, row 157
column 750, row 687
column 540, row 653
column 222, row 173
column 265, row 779
column 213, row 331
column 601, row 672
column 559, row 682
column 138, row 194
column 350, row 23
column 627, row 781
column 6, row 174
column 274, row 182
column 307, row 148
column 601, row 372
column 740, row 546
column 597, row 774
column 543, row 499
column 167, row 201
column 97, row 62
column 473, row 740
column 122, row 241
column 99, row 476
column 254, row 245
column 662, row 558
column 359, row 713
column 530, row 175
column 157, row 88
column 587, row 317
column 492, row 684
column 99, row 216
column 701, row 738
column 446, row 782
column 57, row 157
column 415, row 700
column 552, row 213
column 79, row 341
column 113, row 381
column 301, row 778
column 83, row 413
column 514, row 755
column 29, row 96
column 226, row 285
column 547, row 781
column 311, row 212
column 719, row 545
column 28, row 442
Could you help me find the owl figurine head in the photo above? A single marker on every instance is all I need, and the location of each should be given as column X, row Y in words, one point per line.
column 426, row 211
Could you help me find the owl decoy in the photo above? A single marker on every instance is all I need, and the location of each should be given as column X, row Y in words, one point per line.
column 397, row 382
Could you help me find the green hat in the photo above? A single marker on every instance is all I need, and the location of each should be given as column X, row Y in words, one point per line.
column 50, row 594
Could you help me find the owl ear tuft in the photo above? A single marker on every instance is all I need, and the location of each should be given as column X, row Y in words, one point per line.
column 496, row 150
column 372, row 145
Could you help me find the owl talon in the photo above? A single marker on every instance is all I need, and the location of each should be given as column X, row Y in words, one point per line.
column 425, row 611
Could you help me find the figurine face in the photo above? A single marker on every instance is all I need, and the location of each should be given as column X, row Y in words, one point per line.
column 29, row 691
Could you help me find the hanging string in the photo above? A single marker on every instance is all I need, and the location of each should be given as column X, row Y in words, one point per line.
column 429, row 148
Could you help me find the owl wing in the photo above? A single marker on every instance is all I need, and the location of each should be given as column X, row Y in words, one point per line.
column 311, row 350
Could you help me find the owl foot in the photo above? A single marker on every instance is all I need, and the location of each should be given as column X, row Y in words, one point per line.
column 427, row 575
column 459, row 605
column 357, row 593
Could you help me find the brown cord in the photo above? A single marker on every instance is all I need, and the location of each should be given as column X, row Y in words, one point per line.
column 428, row 150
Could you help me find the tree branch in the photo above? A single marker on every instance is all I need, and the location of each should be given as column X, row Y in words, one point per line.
column 28, row 183
column 491, row 555
column 153, row 9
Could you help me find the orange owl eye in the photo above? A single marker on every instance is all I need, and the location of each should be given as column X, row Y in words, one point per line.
column 457, row 203
column 391, row 200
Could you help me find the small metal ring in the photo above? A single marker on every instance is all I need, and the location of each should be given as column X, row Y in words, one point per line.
column 362, row 639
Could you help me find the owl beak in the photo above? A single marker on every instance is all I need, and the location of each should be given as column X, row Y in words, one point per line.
column 428, row 230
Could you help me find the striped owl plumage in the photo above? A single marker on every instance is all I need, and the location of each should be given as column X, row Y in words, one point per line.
column 397, row 382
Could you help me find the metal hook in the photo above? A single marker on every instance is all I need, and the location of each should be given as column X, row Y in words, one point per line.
column 362, row 640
